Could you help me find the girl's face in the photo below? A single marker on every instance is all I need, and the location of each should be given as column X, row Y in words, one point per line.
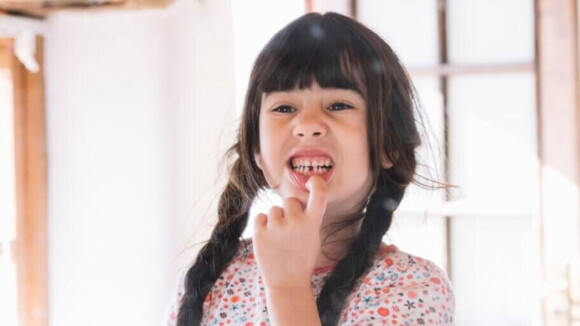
column 316, row 127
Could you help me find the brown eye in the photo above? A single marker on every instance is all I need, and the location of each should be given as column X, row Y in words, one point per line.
column 284, row 109
column 339, row 106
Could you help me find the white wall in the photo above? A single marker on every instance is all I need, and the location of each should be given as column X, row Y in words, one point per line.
column 133, row 100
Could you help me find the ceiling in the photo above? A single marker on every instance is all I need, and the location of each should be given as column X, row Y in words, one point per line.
column 42, row 8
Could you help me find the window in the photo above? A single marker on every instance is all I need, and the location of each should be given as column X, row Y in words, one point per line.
column 500, row 89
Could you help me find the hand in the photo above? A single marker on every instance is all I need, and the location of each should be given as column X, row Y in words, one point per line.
column 287, row 240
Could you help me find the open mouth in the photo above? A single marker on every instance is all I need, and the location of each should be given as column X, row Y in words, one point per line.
column 302, row 168
column 311, row 165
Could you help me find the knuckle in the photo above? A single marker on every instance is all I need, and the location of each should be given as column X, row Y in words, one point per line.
column 273, row 210
column 293, row 203
column 290, row 202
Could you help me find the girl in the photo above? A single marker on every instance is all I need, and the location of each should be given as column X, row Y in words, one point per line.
column 329, row 125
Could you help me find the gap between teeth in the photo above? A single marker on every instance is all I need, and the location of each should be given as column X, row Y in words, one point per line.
column 312, row 169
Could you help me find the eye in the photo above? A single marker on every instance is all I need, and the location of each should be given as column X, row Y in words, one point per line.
column 339, row 106
column 283, row 109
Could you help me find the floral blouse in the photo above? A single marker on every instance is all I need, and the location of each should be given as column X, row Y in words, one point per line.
column 399, row 289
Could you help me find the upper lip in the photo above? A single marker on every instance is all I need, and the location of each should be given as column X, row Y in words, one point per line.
column 309, row 152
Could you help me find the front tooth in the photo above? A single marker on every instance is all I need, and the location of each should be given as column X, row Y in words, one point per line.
column 306, row 162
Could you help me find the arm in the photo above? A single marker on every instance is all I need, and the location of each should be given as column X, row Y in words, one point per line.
column 292, row 306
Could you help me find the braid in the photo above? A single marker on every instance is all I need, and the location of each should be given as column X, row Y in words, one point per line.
column 362, row 251
column 210, row 263
column 214, row 257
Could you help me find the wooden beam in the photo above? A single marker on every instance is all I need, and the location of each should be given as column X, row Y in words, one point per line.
column 445, row 69
column 344, row 7
column 31, row 192
column 43, row 8
column 559, row 151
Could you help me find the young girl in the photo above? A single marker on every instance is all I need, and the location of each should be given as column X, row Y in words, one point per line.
column 329, row 125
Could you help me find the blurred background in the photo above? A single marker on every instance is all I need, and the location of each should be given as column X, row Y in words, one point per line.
column 114, row 116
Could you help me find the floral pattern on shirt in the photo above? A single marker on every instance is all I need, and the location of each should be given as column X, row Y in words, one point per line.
column 399, row 289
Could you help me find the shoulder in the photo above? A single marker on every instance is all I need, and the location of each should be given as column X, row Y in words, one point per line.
column 399, row 262
column 398, row 269
column 402, row 288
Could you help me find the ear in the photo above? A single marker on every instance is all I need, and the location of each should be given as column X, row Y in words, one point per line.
column 258, row 159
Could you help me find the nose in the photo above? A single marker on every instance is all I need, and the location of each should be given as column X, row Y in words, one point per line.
column 310, row 124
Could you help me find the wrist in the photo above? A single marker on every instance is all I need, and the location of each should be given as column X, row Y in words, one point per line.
column 292, row 305
column 288, row 283
column 288, row 288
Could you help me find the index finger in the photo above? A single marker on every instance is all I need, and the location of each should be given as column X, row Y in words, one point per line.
column 316, row 205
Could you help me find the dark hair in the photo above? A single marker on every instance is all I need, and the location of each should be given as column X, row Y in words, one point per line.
column 336, row 52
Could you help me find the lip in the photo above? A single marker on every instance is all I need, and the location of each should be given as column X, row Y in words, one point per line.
column 309, row 152
column 300, row 179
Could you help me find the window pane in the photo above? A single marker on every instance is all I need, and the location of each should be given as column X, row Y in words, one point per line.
column 410, row 27
column 493, row 158
column 495, row 272
column 493, row 143
column 490, row 31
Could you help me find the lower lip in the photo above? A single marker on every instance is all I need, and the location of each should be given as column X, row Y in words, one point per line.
column 300, row 179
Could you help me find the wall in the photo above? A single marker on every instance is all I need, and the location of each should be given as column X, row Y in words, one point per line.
column 132, row 104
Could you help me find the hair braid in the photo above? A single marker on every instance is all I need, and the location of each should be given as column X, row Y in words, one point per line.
column 342, row 280
column 214, row 257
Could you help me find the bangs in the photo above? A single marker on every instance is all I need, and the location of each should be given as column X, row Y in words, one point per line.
column 316, row 49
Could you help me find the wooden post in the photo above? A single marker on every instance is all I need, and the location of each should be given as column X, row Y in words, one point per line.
column 30, row 247
column 559, row 150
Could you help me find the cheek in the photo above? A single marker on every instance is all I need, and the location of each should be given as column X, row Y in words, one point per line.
column 357, row 146
column 270, row 146
column 357, row 138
